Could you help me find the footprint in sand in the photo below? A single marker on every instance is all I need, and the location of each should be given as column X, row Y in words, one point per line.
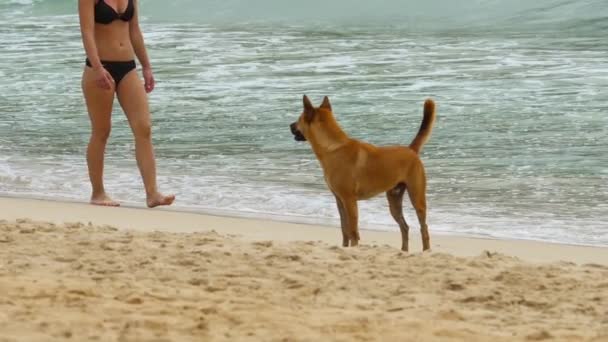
column 65, row 259
column 263, row 244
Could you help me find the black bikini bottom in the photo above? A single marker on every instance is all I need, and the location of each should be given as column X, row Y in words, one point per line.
column 117, row 70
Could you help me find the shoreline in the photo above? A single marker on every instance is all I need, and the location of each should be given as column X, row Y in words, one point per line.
column 293, row 219
column 257, row 229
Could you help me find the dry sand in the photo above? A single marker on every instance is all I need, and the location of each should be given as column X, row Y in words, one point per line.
column 81, row 282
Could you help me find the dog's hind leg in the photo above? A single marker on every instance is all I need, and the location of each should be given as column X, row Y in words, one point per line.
column 395, row 203
column 417, row 192
column 352, row 219
column 343, row 224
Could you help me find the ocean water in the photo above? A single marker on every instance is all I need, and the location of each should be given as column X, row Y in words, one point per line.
column 519, row 150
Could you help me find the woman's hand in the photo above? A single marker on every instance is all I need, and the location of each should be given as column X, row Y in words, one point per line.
column 103, row 79
column 148, row 80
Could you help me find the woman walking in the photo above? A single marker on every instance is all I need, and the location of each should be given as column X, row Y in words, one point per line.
column 112, row 38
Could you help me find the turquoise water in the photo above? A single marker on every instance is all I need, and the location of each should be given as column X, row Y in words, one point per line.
column 519, row 149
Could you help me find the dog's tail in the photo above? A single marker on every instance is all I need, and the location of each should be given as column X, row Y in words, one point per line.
column 426, row 127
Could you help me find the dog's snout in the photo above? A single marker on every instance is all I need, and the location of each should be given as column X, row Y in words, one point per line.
column 297, row 135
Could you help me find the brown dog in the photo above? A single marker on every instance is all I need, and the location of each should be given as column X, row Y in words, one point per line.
column 356, row 170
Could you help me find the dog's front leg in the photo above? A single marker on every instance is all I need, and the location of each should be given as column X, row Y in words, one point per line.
column 343, row 224
column 352, row 219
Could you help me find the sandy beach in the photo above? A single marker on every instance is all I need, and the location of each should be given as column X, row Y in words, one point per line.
column 75, row 272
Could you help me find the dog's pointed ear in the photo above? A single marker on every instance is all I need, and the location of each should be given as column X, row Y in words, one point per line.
column 326, row 104
column 307, row 104
column 309, row 109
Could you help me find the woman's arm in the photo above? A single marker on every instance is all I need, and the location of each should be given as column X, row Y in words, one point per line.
column 86, row 12
column 137, row 39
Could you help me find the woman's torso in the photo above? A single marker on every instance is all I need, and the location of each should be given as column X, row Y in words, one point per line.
column 112, row 35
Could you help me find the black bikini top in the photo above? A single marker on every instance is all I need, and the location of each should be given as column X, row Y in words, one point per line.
column 105, row 14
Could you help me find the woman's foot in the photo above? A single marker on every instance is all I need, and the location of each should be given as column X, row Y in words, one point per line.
column 157, row 199
column 103, row 200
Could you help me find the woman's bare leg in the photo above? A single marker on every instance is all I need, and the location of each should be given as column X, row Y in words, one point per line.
column 134, row 101
column 99, row 104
